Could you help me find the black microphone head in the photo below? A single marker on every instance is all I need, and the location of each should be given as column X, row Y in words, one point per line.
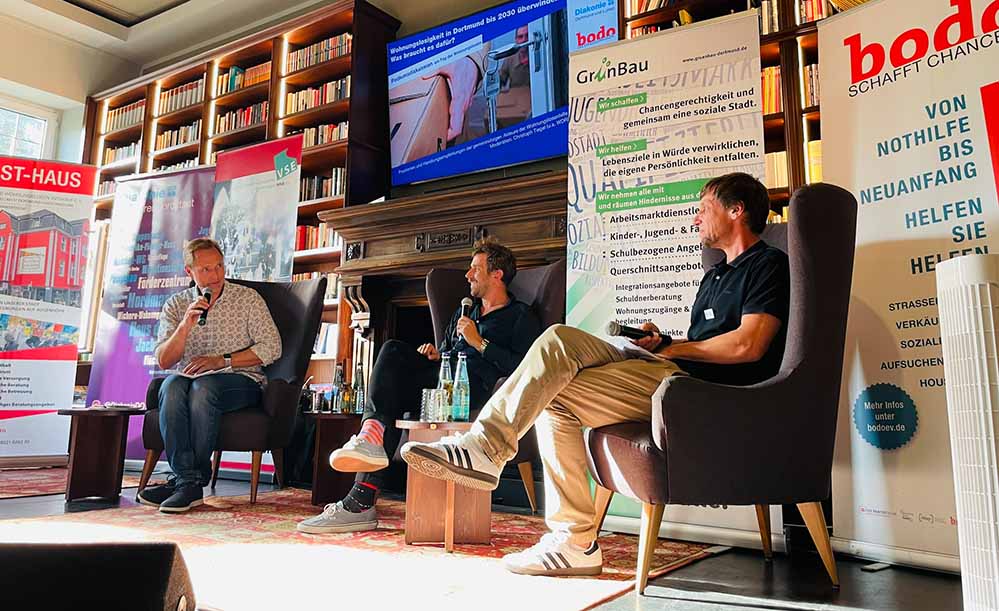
column 613, row 328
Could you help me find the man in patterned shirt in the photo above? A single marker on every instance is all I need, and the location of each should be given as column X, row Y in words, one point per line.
column 219, row 365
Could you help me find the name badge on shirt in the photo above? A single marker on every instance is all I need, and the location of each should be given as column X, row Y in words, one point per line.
column 709, row 314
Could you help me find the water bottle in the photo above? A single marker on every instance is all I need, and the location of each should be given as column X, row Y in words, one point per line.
column 358, row 390
column 444, row 381
column 461, row 397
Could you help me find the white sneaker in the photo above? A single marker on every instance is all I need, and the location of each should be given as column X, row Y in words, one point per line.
column 336, row 519
column 459, row 459
column 359, row 456
column 555, row 555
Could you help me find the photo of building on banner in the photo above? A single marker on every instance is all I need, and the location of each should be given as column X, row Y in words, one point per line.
column 651, row 120
column 45, row 208
column 256, row 208
column 910, row 123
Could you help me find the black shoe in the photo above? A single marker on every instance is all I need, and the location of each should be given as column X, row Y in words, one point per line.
column 186, row 497
column 155, row 495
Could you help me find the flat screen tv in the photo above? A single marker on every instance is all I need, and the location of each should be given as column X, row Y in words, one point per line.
column 481, row 92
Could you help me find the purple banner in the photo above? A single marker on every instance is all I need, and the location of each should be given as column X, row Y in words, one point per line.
column 152, row 219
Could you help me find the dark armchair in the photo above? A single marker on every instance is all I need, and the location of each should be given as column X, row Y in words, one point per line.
column 770, row 443
column 542, row 288
column 296, row 308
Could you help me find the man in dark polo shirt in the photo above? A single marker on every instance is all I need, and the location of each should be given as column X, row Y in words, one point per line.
column 570, row 379
column 493, row 337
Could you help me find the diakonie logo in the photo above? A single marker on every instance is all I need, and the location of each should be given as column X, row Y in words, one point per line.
column 609, row 70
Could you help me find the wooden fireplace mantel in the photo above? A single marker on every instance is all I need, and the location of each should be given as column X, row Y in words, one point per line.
column 407, row 237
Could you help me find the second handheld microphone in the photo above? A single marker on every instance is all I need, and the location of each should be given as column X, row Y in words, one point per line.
column 614, row 328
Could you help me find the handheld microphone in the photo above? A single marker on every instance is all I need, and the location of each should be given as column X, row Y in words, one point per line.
column 466, row 309
column 203, row 319
column 615, row 328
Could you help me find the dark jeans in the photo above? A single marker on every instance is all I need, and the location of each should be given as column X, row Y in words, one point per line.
column 189, row 419
column 399, row 375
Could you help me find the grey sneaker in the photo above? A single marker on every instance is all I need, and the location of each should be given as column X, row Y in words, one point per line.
column 359, row 456
column 336, row 519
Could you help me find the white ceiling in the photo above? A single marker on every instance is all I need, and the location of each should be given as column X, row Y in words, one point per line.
column 192, row 26
column 127, row 12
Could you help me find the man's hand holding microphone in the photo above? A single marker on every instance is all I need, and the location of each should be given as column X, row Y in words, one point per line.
column 647, row 337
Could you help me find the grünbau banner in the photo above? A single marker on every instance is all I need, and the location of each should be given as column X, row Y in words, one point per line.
column 45, row 208
column 152, row 218
column 910, row 117
column 650, row 121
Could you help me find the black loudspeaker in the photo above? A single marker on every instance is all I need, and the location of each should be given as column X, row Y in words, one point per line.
column 94, row 576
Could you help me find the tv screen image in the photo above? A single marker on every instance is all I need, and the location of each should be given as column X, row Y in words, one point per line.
column 482, row 92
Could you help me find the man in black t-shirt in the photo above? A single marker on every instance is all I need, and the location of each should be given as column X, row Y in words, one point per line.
column 494, row 337
column 570, row 379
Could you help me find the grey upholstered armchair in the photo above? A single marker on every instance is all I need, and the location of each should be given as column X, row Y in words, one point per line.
column 770, row 443
column 542, row 288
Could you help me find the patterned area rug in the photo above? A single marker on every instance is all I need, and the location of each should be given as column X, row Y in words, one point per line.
column 244, row 556
column 39, row 482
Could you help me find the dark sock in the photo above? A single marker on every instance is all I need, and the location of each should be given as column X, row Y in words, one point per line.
column 360, row 498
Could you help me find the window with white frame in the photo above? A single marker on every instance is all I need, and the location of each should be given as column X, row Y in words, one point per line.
column 27, row 130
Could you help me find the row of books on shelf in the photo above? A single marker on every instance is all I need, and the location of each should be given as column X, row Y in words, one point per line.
column 814, row 150
column 180, row 135
column 119, row 153
column 316, row 187
column 125, row 116
column 180, row 165
column 811, row 81
column 243, row 117
column 236, row 78
column 322, row 134
column 769, row 23
column 326, row 339
column 319, row 52
column 813, row 10
column 309, row 237
column 776, row 170
column 644, row 6
column 105, row 188
column 643, row 30
column 317, row 96
column 182, row 96
column 772, row 100
column 332, row 283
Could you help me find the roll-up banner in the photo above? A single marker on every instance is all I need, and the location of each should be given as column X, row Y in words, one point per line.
column 152, row 218
column 45, row 207
column 910, row 123
column 254, row 220
column 650, row 121
column 256, row 208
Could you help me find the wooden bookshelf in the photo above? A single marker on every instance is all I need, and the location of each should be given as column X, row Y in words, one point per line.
column 793, row 46
column 362, row 157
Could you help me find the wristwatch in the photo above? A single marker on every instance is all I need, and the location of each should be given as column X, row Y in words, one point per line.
column 483, row 345
column 228, row 359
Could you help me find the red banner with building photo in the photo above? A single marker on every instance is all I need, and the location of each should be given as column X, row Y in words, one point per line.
column 45, row 210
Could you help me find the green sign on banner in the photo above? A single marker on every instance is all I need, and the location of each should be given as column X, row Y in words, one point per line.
column 621, row 148
column 622, row 102
column 684, row 192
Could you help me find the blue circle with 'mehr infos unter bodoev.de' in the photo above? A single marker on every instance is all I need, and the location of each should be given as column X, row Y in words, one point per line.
column 885, row 416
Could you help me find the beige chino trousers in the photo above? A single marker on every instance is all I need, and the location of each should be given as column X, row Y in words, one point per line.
column 568, row 380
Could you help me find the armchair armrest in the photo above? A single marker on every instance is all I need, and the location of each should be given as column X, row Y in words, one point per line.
column 738, row 444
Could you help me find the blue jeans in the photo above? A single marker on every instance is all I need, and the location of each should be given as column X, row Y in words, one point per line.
column 189, row 419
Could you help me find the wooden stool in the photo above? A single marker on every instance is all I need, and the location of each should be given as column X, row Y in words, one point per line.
column 438, row 510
